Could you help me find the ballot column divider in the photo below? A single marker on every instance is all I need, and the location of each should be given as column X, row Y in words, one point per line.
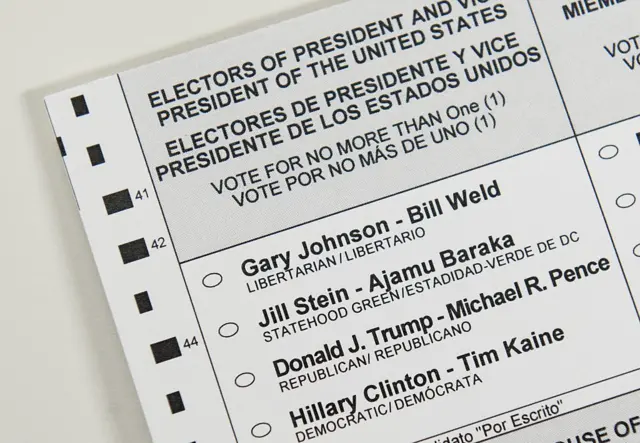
column 584, row 160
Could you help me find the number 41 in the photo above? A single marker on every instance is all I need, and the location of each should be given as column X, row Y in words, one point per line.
column 142, row 194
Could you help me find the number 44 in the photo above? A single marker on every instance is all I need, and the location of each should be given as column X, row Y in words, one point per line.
column 190, row 342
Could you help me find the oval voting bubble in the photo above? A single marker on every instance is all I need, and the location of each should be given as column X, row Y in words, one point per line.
column 608, row 152
column 245, row 380
column 261, row 430
column 212, row 280
column 636, row 251
column 228, row 330
column 625, row 201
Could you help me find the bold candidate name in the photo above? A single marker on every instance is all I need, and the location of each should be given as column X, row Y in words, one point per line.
column 308, row 249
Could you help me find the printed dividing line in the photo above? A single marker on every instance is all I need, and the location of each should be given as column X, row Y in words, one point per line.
column 539, row 401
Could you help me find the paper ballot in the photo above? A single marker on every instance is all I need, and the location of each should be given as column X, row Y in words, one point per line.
column 385, row 221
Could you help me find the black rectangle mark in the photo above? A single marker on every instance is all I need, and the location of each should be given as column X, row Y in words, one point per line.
column 118, row 201
column 95, row 155
column 63, row 151
column 134, row 251
column 175, row 402
column 80, row 105
column 638, row 137
column 166, row 350
column 144, row 302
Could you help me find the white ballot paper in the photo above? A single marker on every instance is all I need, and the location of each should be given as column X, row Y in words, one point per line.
column 386, row 221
